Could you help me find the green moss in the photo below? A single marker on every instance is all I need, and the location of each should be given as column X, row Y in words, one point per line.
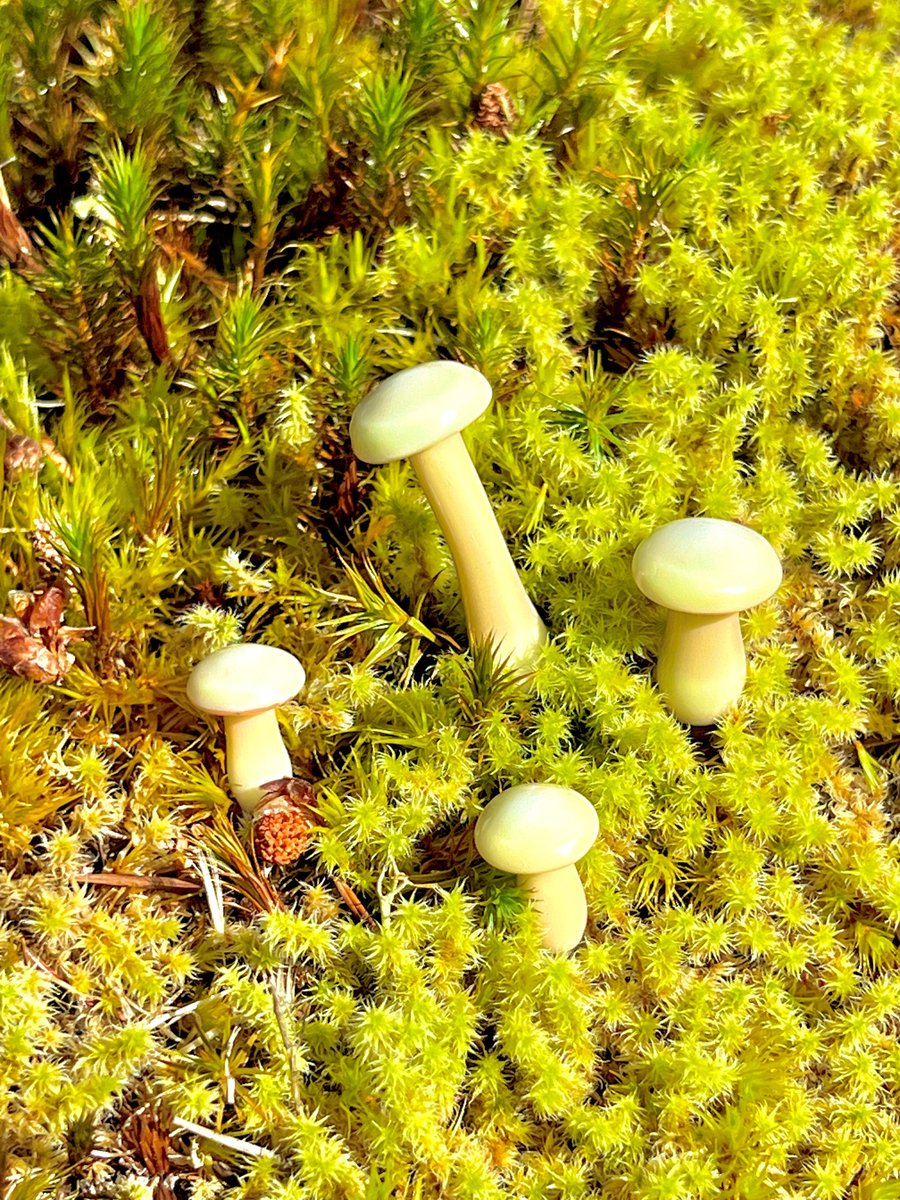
column 673, row 253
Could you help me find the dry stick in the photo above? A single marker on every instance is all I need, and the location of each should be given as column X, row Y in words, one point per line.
column 172, row 1017
column 147, row 883
column 353, row 901
column 223, row 1139
column 61, row 980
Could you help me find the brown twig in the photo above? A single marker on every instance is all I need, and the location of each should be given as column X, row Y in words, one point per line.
column 353, row 902
column 38, row 962
column 147, row 883
column 194, row 266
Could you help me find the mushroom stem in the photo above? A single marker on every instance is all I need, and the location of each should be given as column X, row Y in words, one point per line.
column 497, row 606
column 559, row 898
column 702, row 665
column 254, row 755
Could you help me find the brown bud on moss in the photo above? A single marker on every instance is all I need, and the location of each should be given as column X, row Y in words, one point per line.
column 23, row 456
column 495, row 110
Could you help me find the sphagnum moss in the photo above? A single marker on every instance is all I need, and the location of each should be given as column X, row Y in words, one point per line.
column 674, row 258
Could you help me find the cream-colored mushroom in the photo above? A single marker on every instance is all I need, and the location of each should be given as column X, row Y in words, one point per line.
column 705, row 572
column 244, row 684
column 418, row 414
column 538, row 831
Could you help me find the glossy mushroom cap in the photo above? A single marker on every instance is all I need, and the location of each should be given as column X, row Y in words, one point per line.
column 536, row 827
column 704, row 565
column 244, row 678
column 416, row 408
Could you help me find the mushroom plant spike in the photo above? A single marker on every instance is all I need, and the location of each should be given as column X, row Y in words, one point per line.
column 705, row 572
column 538, row 831
column 418, row 414
column 244, row 684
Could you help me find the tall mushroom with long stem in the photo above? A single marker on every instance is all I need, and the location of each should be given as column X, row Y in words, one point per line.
column 538, row 831
column 419, row 414
column 705, row 572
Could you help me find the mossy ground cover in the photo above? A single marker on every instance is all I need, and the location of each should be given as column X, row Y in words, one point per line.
column 667, row 233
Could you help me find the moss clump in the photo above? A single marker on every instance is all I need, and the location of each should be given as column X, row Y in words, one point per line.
column 668, row 237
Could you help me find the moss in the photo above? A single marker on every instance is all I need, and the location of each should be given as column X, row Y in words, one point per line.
column 673, row 252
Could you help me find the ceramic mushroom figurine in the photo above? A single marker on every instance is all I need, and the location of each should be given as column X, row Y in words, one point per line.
column 419, row 414
column 244, row 684
column 538, row 831
column 705, row 572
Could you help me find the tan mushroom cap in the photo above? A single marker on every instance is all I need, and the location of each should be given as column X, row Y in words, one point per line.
column 415, row 409
column 536, row 827
column 243, row 679
column 704, row 565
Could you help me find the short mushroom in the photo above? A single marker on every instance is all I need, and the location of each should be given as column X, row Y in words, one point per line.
column 244, row 684
column 705, row 572
column 418, row 414
column 538, row 831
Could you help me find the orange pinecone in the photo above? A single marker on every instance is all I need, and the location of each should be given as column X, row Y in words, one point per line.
column 282, row 824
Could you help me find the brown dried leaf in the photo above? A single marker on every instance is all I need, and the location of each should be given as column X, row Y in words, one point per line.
column 159, row 883
column 28, row 656
column 47, row 609
column 353, row 901
column 347, row 502
column 298, row 791
column 33, row 642
column 20, row 602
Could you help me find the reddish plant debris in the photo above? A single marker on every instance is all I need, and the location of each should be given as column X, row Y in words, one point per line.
column 148, row 309
column 145, row 1138
column 34, row 642
column 15, row 244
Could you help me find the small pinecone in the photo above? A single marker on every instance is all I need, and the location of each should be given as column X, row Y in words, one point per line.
column 281, row 830
column 23, row 455
column 495, row 111
column 45, row 549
